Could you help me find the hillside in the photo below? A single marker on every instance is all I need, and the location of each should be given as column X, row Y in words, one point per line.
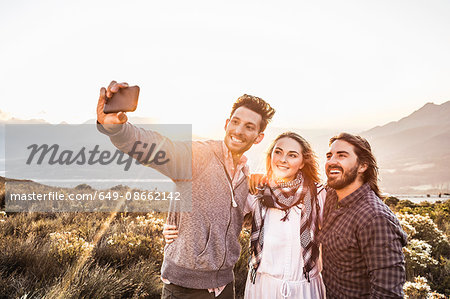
column 414, row 152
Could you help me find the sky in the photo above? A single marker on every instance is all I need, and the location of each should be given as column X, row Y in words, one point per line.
column 321, row 64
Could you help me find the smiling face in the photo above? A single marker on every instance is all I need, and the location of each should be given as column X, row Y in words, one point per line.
column 242, row 130
column 342, row 166
column 286, row 159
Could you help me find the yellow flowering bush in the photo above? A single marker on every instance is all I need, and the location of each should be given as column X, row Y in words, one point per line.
column 419, row 253
column 426, row 254
column 150, row 220
column 134, row 237
column 2, row 216
column 125, row 240
column 419, row 289
column 406, row 225
column 68, row 245
column 422, row 227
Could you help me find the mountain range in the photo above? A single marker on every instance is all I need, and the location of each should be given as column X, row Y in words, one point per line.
column 413, row 153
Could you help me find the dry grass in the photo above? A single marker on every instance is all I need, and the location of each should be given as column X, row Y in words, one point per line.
column 53, row 255
column 44, row 252
column 84, row 255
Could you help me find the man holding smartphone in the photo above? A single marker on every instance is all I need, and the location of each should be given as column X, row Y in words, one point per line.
column 200, row 263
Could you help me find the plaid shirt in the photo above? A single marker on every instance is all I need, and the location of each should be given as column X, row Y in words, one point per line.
column 362, row 244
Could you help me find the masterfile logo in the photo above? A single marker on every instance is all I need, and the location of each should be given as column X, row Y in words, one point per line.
column 53, row 156
column 77, row 168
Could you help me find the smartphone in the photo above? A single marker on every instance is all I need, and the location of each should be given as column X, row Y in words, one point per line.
column 124, row 100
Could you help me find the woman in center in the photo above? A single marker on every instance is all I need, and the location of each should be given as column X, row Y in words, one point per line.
column 285, row 259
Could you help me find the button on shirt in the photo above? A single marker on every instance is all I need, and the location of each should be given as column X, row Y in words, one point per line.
column 362, row 244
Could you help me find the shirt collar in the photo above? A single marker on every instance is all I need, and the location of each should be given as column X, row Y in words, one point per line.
column 229, row 163
column 354, row 196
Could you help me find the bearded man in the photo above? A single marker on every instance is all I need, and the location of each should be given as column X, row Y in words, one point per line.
column 361, row 238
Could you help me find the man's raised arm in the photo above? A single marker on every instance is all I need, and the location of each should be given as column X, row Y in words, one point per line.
column 150, row 148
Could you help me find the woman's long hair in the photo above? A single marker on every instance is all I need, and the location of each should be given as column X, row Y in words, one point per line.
column 311, row 166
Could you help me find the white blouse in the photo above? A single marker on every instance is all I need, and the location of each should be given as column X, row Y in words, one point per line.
column 280, row 273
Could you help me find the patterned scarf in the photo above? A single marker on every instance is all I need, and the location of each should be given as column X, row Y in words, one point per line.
column 301, row 192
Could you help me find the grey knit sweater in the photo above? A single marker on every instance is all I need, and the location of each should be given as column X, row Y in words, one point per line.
column 204, row 254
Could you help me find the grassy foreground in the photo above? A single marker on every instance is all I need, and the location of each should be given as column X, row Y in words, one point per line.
column 104, row 255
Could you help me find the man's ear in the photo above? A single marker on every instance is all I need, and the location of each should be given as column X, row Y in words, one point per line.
column 226, row 124
column 259, row 138
column 362, row 167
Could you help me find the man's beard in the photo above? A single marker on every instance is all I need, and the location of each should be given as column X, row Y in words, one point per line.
column 346, row 180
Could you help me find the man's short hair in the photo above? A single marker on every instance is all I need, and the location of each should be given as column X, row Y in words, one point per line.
column 257, row 105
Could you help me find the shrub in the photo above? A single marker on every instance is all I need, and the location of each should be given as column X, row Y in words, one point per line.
column 67, row 246
column 427, row 252
column 419, row 289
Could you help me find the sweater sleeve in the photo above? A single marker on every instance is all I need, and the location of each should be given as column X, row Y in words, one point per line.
column 250, row 203
column 171, row 158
